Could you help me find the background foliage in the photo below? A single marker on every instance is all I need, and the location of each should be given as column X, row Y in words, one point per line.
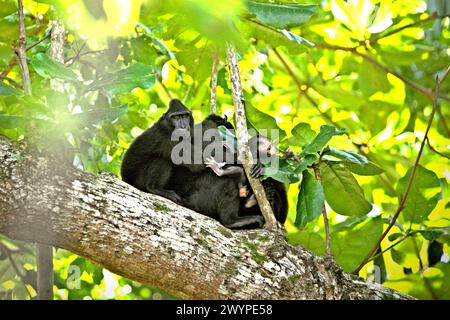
column 367, row 66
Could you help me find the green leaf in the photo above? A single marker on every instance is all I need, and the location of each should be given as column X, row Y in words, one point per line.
column 350, row 99
column 349, row 155
column 398, row 256
column 303, row 133
column 310, row 240
column 350, row 246
column 342, row 191
column 12, row 122
column 48, row 68
column 442, row 234
column 228, row 136
column 6, row 90
column 421, row 198
column 395, row 236
column 372, row 79
column 281, row 15
column 319, row 142
column 257, row 119
column 306, row 161
column 366, row 169
column 283, row 172
column 273, row 37
column 125, row 80
column 95, row 116
column 310, row 200
column 296, row 38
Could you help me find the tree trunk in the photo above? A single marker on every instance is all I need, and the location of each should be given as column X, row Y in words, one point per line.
column 150, row 239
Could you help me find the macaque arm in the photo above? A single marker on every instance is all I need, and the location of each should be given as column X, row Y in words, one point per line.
column 217, row 167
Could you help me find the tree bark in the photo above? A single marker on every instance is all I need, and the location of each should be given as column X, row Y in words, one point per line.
column 152, row 240
column 244, row 154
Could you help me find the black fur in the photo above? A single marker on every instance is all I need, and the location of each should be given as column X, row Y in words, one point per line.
column 206, row 193
column 147, row 164
column 277, row 197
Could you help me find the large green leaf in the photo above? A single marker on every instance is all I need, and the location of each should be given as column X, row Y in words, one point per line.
column 310, row 200
column 306, row 161
column 6, row 90
column 257, row 119
column 283, row 172
column 319, row 142
column 125, row 80
column 348, row 98
column 342, row 191
column 48, row 68
column 281, row 15
column 273, row 37
column 348, row 155
column 372, row 79
column 350, row 245
column 12, row 122
column 421, row 198
column 303, row 133
column 310, row 240
column 365, row 169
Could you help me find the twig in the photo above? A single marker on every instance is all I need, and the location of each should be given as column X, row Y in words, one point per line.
column 413, row 24
column 47, row 35
column 421, row 270
column 21, row 52
column 411, row 177
column 6, row 251
column 324, row 213
column 299, row 87
column 423, row 90
column 435, row 151
column 77, row 56
column 243, row 150
column 392, row 245
column 214, row 82
column 13, row 82
column 444, row 123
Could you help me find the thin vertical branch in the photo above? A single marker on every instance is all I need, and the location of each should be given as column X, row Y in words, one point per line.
column 214, row 82
column 21, row 52
column 324, row 214
column 44, row 252
column 411, row 177
column 243, row 150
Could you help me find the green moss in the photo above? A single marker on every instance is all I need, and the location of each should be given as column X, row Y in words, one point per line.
column 258, row 257
column 294, row 279
column 161, row 207
column 204, row 244
column 225, row 232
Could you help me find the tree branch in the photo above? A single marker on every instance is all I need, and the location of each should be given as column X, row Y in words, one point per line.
column 152, row 240
column 244, row 150
column 214, row 82
column 411, row 177
column 428, row 93
column 324, row 214
column 21, row 51
column 413, row 24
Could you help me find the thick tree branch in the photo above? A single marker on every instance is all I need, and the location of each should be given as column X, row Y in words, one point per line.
column 152, row 240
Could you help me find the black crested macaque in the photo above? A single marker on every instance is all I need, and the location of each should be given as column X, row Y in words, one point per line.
column 147, row 164
column 262, row 151
column 209, row 194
